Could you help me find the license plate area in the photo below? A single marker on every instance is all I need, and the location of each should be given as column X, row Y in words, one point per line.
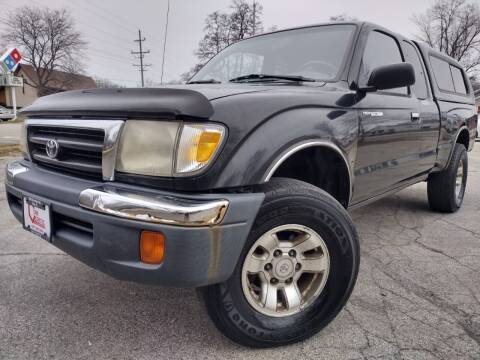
column 37, row 217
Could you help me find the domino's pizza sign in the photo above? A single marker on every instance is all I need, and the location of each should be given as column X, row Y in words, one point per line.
column 10, row 60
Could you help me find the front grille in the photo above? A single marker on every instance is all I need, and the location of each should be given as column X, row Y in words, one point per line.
column 71, row 231
column 79, row 150
column 64, row 222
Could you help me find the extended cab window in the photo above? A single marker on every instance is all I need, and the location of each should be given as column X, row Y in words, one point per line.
column 381, row 49
column 458, row 80
column 412, row 56
column 441, row 71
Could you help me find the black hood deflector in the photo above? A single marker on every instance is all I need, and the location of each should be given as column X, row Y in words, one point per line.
column 157, row 102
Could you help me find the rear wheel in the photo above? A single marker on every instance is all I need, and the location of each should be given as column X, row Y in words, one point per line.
column 295, row 273
column 446, row 189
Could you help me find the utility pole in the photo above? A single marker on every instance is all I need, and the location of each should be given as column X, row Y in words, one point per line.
column 141, row 55
column 254, row 14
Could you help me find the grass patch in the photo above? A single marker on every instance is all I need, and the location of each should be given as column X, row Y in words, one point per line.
column 18, row 119
column 10, row 150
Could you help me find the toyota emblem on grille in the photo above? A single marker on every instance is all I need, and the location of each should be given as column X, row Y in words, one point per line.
column 52, row 148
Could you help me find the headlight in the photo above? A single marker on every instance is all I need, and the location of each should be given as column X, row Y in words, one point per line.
column 161, row 148
column 146, row 147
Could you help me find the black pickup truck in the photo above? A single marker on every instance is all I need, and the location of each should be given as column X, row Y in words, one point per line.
column 238, row 183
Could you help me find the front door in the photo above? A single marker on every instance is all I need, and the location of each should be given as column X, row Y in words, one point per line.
column 389, row 123
column 429, row 116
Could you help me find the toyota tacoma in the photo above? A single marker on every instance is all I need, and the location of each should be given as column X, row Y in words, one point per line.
column 238, row 182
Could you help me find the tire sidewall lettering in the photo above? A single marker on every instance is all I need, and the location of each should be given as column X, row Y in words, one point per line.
column 241, row 323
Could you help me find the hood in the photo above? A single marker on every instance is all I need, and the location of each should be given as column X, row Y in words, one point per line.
column 170, row 102
column 161, row 102
column 217, row 91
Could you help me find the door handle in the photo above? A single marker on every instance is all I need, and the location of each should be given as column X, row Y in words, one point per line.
column 415, row 116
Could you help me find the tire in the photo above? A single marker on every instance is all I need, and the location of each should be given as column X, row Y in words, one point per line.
column 443, row 193
column 287, row 202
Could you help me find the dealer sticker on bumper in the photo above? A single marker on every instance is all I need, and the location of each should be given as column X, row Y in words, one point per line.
column 36, row 217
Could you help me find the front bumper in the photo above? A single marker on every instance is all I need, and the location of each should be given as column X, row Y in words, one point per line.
column 100, row 225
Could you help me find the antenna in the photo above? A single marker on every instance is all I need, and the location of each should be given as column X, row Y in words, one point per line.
column 165, row 41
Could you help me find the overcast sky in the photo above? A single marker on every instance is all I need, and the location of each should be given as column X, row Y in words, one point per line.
column 110, row 26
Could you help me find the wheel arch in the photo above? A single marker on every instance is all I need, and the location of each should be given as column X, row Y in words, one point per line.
column 247, row 163
column 462, row 137
column 302, row 152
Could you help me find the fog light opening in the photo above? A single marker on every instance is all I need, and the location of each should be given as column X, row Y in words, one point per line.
column 152, row 247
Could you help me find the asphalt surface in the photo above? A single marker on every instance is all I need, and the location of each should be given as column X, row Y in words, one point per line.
column 417, row 296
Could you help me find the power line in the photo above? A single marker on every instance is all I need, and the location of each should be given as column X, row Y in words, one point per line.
column 103, row 53
column 141, row 55
column 121, row 80
column 93, row 11
column 111, row 36
column 120, row 19
column 89, row 24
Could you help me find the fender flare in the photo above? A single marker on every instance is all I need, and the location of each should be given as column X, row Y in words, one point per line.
column 307, row 144
column 455, row 139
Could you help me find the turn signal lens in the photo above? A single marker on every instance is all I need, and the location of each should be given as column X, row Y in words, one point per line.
column 197, row 146
column 152, row 247
column 207, row 144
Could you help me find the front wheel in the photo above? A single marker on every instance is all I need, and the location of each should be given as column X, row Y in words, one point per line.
column 296, row 272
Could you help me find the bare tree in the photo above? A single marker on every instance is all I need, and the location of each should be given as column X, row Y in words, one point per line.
column 245, row 20
column 475, row 79
column 47, row 40
column 453, row 27
column 104, row 83
column 342, row 17
column 217, row 36
column 223, row 29
column 189, row 74
column 256, row 24
column 151, row 83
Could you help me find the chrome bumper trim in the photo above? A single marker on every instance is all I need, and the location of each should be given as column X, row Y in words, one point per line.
column 13, row 169
column 161, row 209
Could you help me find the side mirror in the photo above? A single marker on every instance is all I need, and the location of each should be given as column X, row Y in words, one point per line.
column 391, row 77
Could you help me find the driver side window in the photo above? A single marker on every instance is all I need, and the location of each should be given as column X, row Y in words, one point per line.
column 380, row 50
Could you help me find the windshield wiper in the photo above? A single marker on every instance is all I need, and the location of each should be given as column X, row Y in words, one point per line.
column 271, row 77
column 208, row 81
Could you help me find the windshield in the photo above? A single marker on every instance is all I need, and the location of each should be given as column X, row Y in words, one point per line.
column 315, row 52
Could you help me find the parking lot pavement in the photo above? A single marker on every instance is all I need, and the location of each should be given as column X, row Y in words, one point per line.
column 417, row 296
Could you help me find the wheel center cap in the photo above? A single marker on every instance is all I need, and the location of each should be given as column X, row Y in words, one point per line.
column 284, row 268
